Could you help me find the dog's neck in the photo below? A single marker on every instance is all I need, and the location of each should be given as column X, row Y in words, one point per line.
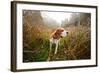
column 56, row 37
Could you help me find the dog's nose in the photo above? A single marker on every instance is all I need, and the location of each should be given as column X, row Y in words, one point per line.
column 66, row 32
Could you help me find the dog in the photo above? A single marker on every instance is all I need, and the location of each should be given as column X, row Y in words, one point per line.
column 56, row 36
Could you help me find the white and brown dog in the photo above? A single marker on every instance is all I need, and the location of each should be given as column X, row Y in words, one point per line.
column 56, row 36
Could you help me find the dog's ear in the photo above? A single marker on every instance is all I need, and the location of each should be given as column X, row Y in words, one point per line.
column 58, row 33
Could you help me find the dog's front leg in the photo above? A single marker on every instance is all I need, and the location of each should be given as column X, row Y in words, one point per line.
column 56, row 48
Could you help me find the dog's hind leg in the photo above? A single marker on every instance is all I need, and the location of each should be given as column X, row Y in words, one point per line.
column 50, row 49
column 50, row 46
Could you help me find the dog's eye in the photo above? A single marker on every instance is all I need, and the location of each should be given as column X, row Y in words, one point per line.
column 66, row 32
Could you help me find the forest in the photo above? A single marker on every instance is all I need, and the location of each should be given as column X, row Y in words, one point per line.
column 38, row 28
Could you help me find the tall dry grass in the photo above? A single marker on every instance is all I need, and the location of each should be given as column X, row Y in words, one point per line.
column 76, row 46
column 78, row 43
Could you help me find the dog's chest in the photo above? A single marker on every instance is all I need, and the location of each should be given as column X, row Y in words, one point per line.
column 55, row 41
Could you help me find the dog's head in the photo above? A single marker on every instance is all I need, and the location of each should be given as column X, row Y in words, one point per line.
column 63, row 32
column 59, row 33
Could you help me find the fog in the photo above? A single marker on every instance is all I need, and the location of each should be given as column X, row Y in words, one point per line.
column 57, row 16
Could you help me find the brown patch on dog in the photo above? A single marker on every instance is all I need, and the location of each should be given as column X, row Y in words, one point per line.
column 57, row 33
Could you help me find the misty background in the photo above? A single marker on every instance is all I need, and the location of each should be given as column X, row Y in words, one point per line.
column 57, row 19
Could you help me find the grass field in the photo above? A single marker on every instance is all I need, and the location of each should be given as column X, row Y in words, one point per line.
column 76, row 46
